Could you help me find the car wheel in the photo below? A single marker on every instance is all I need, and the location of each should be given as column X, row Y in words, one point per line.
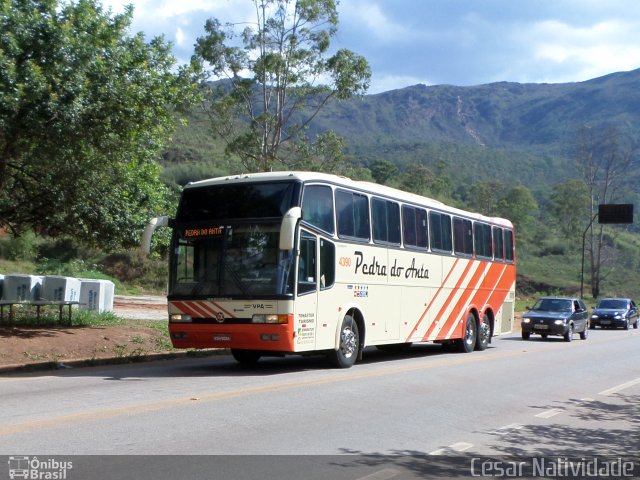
column 635, row 324
column 526, row 335
column 584, row 334
column 569, row 335
column 592, row 326
column 626, row 324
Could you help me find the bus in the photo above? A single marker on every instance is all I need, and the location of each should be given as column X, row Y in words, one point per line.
column 300, row 262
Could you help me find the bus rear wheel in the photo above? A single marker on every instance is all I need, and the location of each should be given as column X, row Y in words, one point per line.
column 484, row 334
column 468, row 342
column 245, row 357
column 349, row 348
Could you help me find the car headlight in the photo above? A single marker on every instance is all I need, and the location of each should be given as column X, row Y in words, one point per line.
column 559, row 322
column 618, row 317
column 526, row 320
column 595, row 317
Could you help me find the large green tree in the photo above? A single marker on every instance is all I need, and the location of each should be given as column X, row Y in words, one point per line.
column 85, row 109
column 275, row 76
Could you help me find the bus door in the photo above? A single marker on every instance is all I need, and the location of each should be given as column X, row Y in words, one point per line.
column 316, row 310
column 306, row 303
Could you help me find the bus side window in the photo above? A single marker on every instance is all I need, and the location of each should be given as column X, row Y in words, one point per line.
column 307, row 264
column 440, row 228
column 327, row 264
column 498, row 244
column 508, row 245
column 317, row 207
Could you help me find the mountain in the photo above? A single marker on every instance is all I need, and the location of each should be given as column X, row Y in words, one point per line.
column 497, row 115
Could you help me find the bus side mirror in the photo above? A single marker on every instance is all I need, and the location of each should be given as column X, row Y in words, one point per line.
column 288, row 228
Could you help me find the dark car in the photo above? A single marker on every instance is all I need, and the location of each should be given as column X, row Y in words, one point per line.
column 562, row 316
column 614, row 313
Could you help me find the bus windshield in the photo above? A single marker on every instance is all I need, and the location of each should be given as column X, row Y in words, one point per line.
column 238, row 200
column 230, row 261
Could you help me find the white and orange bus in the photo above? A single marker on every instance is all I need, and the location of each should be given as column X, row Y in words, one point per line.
column 301, row 262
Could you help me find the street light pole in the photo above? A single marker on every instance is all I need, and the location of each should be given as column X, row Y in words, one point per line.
column 583, row 237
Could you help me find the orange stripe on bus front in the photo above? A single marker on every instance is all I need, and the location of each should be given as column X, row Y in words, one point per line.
column 184, row 307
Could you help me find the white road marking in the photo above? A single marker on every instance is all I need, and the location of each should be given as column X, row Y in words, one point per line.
column 619, row 388
column 384, row 474
column 507, row 429
column 549, row 413
column 455, row 447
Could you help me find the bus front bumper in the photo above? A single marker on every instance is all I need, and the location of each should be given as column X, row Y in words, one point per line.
column 277, row 338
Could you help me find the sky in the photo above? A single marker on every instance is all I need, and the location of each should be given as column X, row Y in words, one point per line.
column 432, row 42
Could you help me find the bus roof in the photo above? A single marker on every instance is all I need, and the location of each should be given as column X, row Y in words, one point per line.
column 368, row 187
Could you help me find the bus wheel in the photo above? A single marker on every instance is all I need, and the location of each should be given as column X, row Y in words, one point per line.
column 484, row 333
column 245, row 357
column 347, row 353
column 468, row 343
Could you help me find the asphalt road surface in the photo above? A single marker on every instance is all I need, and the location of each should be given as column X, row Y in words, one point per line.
column 394, row 414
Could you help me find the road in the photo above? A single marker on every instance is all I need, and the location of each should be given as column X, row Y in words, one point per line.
column 517, row 398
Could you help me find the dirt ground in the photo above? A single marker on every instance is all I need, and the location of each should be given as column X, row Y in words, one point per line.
column 21, row 345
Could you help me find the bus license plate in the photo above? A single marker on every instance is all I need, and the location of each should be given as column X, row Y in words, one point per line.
column 222, row 338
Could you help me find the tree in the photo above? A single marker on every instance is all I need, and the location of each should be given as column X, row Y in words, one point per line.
column 518, row 205
column 84, row 112
column 263, row 118
column 383, row 170
column 483, row 196
column 604, row 161
column 569, row 203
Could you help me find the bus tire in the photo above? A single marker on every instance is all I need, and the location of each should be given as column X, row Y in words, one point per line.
column 467, row 343
column 245, row 357
column 349, row 348
column 484, row 334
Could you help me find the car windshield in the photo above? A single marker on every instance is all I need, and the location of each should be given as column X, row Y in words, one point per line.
column 553, row 305
column 612, row 304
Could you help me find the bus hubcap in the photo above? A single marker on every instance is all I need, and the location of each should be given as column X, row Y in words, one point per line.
column 349, row 342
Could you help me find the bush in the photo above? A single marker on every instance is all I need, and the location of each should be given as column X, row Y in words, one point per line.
column 135, row 268
column 23, row 247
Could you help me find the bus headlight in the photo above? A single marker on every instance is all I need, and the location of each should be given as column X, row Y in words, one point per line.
column 179, row 318
column 269, row 318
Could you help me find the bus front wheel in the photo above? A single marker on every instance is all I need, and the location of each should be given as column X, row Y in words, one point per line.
column 348, row 349
column 245, row 357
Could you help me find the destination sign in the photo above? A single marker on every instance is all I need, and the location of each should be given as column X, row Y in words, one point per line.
column 201, row 232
